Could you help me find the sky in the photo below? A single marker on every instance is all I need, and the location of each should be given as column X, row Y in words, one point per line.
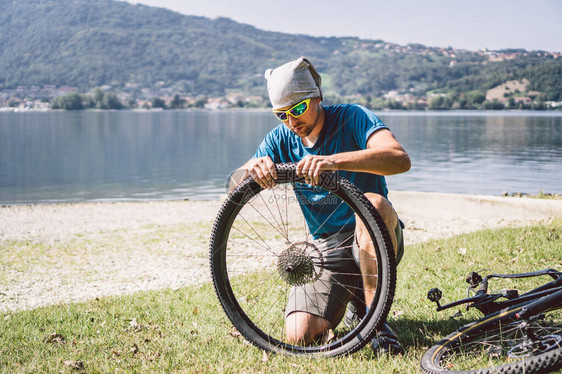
column 468, row 24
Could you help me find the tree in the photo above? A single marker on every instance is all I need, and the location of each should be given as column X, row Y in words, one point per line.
column 493, row 105
column 436, row 103
column 200, row 102
column 71, row 101
column 98, row 97
column 13, row 103
column 157, row 102
column 111, row 101
column 511, row 102
column 88, row 102
column 177, row 102
column 475, row 98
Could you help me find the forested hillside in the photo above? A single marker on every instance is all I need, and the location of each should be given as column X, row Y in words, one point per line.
column 84, row 44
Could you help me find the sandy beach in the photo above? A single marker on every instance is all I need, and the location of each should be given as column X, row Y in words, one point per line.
column 72, row 252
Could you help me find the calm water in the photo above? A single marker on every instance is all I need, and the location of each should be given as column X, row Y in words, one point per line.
column 127, row 155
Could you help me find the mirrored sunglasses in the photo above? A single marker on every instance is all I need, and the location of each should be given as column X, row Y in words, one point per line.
column 296, row 110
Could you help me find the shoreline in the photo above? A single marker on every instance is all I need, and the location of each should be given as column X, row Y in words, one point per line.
column 548, row 196
column 468, row 112
column 71, row 252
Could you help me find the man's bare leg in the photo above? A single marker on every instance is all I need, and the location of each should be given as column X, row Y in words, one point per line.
column 305, row 328
column 385, row 340
column 367, row 254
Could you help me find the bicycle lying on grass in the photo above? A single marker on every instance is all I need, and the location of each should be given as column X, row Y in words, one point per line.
column 520, row 333
column 261, row 250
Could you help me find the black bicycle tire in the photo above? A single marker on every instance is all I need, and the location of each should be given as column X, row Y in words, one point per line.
column 387, row 282
column 543, row 363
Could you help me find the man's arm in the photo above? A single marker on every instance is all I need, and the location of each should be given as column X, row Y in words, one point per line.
column 383, row 156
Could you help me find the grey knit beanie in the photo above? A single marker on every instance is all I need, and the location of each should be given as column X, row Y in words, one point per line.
column 293, row 82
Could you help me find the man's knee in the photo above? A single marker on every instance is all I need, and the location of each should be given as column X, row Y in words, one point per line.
column 304, row 328
column 384, row 208
column 388, row 214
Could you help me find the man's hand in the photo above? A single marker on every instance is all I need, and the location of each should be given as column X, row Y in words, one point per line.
column 311, row 166
column 262, row 170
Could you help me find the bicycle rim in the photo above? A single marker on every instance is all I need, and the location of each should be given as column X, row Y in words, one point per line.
column 500, row 343
column 259, row 233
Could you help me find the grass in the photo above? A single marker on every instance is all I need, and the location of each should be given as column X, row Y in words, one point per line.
column 548, row 196
column 186, row 330
column 541, row 195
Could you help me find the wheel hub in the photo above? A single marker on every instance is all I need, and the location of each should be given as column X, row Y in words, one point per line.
column 296, row 264
column 533, row 347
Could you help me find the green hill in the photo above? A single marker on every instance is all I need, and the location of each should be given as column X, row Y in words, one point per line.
column 86, row 43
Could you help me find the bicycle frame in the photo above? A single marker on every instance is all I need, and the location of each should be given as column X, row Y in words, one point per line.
column 518, row 333
column 547, row 294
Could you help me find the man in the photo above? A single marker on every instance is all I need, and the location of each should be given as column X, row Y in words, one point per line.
column 344, row 138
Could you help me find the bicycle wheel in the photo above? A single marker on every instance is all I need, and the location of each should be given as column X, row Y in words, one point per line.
column 261, row 250
column 500, row 343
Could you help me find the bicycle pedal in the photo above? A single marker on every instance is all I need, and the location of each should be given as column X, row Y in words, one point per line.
column 473, row 279
column 435, row 295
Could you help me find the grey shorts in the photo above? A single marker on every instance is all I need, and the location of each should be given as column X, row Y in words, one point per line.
column 340, row 278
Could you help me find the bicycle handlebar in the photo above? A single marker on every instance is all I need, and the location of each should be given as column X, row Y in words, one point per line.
column 482, row 300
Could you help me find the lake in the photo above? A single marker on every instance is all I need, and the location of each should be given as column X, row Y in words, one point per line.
column 59, row 156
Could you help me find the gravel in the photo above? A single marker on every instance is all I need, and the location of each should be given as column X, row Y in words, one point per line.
column 52, row 254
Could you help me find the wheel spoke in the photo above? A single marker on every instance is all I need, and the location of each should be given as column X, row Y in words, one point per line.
column 505, row 344
column 266, row 253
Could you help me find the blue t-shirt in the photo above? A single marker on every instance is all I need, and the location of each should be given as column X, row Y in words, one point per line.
column 346, row 128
